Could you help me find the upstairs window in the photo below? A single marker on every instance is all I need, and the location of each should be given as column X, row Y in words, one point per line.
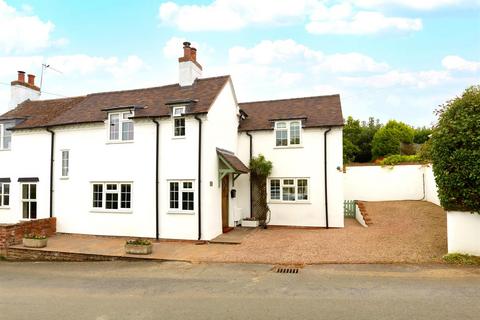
column 287, row 133
column 181, row 196
column 288, row 190
column 5, row 136
column 178, row 121
column 112, row 196
column 121, row 126
column 4, row 195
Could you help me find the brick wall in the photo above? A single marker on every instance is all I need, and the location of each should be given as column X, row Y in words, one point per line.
column 24, row 254
column 11, row 234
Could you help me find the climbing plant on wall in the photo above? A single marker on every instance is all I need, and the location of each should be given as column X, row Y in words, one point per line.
column 260, row 169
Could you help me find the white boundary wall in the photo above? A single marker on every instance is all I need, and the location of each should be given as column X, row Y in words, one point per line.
column 463, row 232
column 401, row 182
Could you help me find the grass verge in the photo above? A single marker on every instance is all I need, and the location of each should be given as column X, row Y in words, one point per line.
column 464, row 259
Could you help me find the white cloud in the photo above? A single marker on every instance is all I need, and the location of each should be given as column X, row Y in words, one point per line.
column 413, row 4
column 343, row 19
column 288, row 53
column 456, row 63
column 395, row 78
column 224, row 15
column 22, row 31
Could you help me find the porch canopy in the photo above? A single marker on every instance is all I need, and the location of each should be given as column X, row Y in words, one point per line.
column 229, row 163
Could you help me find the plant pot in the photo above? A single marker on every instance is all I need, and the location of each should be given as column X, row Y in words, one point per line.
column 138, row 249
column 34, row 243
column 250, row 223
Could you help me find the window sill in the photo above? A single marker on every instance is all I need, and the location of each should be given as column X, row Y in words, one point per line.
column 5, row 149
column 64, row 178
column 179, row 137
column 289, row 147
column 4, row 208
column 288, row 202
column 119, row 142
column 181, row 212
column 111, row 211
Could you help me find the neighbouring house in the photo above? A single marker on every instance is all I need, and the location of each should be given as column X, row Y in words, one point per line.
column 168, row 162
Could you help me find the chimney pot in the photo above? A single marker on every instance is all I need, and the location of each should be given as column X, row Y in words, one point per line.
column 21, row 76
column 31, row 79
column 186, row 44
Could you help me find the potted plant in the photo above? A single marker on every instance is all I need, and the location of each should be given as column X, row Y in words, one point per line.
column 138, row 246
column 250, row 222
column 32, row 240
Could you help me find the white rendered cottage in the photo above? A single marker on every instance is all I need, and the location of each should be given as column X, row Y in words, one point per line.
column 162, row 162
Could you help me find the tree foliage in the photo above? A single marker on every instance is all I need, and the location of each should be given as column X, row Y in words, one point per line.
column 455, row 152
column 421, row 135
column 357, row 139
column 387, row 139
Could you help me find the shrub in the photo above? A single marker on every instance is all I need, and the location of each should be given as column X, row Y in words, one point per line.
column 455, row 152
column 139, row 242
column 387, row 139
column 421, row 135
column 260, row 167
column 424, row 153
column 357, row 139
column 396, row 159
column 34, row 236
column 459, row 258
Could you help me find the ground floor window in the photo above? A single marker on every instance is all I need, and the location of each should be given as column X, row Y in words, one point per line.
column 4, row 194
column 288, row 189
column 112, row 196
column 181, row 195
column 29, row 200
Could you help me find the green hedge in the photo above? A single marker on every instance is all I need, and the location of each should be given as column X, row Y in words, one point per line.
column 455, row 152
column 396, row 159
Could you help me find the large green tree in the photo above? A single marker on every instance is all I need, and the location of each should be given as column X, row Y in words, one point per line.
column 387, row 140
column 357, row 139
column 455, row 152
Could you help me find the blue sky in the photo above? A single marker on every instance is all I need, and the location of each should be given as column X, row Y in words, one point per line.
column 388, row 59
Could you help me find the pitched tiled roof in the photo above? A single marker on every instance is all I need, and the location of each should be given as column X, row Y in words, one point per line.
column 233, row 160
column 318, row 111
column 32, row 114
column 152, row 102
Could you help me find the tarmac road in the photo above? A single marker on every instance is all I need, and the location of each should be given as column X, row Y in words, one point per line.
column 154, row 290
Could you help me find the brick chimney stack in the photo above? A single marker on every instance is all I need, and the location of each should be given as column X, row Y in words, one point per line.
column 189, row 68
column 21, row 90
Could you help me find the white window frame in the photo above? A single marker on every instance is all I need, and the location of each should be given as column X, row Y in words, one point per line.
column 178, row 113
column 283, row 184
column 3, row 130
column 29, row 200
column 181, row 190
column 121, row 121
column 288, row 124
column 104, row 193
column 3, row 194
column 65, row 164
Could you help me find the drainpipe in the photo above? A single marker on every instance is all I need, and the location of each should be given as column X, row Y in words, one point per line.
column 157, row 152
column 250, row 176
column 52, row 146
column 199, row 177
column 325, row 173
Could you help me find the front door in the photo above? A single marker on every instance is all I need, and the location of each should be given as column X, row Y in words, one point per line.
column 225, row 204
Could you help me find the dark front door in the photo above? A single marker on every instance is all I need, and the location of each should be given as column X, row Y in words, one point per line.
column 225, row 204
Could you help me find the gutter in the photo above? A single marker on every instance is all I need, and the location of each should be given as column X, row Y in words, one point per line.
column 199, row 177
column 250, row 176
column 325, row 173
column 157, row 153
column 52, row 146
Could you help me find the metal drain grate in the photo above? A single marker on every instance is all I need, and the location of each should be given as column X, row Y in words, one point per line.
column 286, row 270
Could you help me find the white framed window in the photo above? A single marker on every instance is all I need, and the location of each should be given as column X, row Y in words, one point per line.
column 112, row 196
column 179, row 127
column 5, row 136
column 4, row 195
column 178, row 111
column 120, row 126
column 65, row 163
column 181, row 195
column 288, row 190
column 288, row 133
column 29, row 200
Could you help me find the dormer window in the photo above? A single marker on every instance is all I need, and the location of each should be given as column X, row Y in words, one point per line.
column 120, row 126
column 288, row 133
column 5, row 136
column 178, row 121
